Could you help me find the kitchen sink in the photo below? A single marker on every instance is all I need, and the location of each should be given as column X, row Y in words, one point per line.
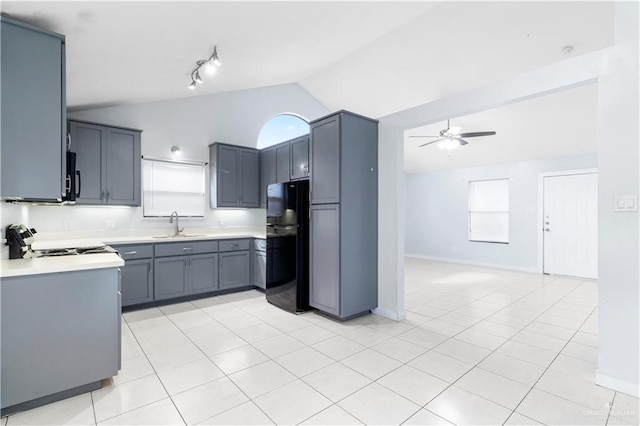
column 180, row 236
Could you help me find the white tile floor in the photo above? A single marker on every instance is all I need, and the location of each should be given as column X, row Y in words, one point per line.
column 479, row 346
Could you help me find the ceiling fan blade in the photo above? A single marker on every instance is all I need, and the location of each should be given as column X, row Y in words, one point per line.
column 422, row 136
column 429, row 143
column 476, row 134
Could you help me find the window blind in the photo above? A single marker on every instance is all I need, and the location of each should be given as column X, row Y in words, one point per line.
column 169, row 186
column 489, row 211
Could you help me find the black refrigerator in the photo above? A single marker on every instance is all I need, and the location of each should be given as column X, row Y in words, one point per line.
column 287, row 283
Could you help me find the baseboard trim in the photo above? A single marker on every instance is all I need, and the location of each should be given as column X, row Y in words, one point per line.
column 617, row 384
column 473, row 263
column 396, row 316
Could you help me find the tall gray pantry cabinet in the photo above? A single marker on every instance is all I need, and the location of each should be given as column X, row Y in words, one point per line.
column 344, row 215
column 33, row 112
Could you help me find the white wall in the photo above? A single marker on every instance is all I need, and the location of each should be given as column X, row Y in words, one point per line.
column 616, row 70
column 192, row 124
column 437, row 212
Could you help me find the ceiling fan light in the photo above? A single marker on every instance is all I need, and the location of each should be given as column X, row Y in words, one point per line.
column 449, row 144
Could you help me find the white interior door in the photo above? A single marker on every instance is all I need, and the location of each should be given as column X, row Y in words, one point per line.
column 570, row 225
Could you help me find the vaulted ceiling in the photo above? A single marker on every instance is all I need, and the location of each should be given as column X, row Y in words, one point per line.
column 374, row 58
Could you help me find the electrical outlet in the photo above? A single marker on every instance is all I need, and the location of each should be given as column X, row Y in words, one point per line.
column 112, row 225
column 66, row 225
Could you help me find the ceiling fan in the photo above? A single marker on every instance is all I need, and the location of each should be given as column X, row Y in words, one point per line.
column 451, row 138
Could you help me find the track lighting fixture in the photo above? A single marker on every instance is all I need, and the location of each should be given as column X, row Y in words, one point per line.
column 210, row 68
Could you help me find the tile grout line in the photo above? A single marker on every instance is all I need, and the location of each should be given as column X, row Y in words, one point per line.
column 477, row 364
column 547, row 369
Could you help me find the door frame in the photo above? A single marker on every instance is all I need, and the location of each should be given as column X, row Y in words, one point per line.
column 540, row 219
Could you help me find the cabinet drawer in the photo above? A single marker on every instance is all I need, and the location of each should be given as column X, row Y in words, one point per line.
column 187, row 247
column 130, row 252
column 260, row 245
column 234, row 245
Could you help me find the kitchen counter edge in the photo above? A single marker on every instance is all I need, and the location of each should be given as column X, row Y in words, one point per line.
column 50, row 265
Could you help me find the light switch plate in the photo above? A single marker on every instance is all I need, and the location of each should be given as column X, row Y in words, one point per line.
column 625, row 203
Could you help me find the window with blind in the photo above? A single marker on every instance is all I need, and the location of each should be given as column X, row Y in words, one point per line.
column 489, row 211
column 169, row 186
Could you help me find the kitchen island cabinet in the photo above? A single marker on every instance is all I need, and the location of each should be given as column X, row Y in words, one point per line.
column 60, row 335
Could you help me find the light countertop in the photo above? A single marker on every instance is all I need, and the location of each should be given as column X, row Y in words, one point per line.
column 43, row 241
column 48, row 265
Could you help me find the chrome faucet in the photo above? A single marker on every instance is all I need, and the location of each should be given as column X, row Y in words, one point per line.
column 178, row 230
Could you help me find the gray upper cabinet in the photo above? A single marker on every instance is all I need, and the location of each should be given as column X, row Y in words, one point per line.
column 268, row 168
column 108, row 163
column 33, row 119
column 300, row 158
column 344, row 220
column 123, row 167
column 282, row 162
column 250, row 174
column 235, row 176
column 325, row 160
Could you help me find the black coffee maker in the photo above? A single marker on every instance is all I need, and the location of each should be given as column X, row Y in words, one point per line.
column 19, row 238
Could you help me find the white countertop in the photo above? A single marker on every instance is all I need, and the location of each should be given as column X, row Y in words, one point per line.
column 48, row 265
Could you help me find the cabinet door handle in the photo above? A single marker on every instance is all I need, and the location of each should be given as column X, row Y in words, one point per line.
column 130, row 252
column 187, row 248
column 101, row 195
column 107, row 200
column 149, row 267
column 69, row 141
column 79, row 183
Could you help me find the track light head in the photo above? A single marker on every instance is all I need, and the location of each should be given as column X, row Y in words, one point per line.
column 210, row 68
column 214, row 57
column 192, row 85
column 198, row 79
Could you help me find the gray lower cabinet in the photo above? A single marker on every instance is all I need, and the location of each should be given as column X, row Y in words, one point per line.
column 185, row 275
column 137, row 282
column 202, row 275
column 235, row 263
column 259, row 264
column 170, row 277
column 108, row 163
column 234, row 176
column 234, row 269
column 324, row 258
column 33, row 118
column 60, row 335
column 137, row 273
